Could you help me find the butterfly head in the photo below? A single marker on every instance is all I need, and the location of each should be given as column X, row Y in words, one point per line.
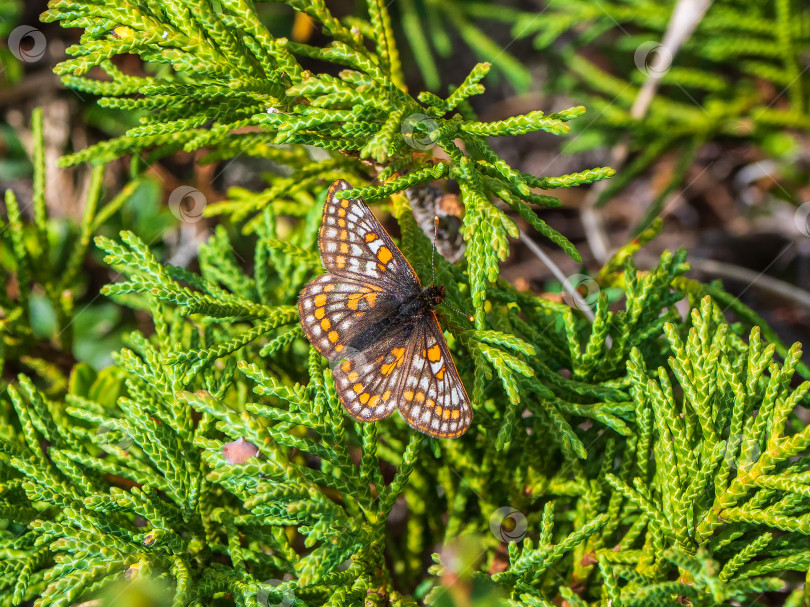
column 433, row 295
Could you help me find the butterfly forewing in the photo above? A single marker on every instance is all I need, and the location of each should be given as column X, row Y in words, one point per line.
column 433, row 399
column 355, row 245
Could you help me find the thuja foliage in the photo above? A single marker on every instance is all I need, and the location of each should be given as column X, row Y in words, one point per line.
column 656, row 460
column 227, row 72
column 642, row 458
column 41, row 264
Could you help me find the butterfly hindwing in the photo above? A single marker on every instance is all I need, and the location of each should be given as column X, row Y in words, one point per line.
column 433, row 399
column 368, row 381
column 355, row 245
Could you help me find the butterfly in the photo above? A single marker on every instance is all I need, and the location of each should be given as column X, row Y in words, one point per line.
column 369, row 315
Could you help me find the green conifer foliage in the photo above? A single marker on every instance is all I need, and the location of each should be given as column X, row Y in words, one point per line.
column 641, row 458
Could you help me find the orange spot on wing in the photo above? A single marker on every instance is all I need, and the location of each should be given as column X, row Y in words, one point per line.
column 354, row 300
column 386, row 395
column 333, row 336
column 344, row 235
column 347, row 364
column 399, row 356
column 420, row 397
column 344, row 203
column 364, row 397
column 374, row 400
column 371, row 237
column 329, row 288
column 342, row 212
column 446, row 414
column 438, row 410
column 456, row 413
column 320, row 300
column 325, row 324
column 434, row 353
column 340, row 261
column 384, row 255
column 344, row 248
column 358, row 388
column 440, row 373
column 371, row 297
column 408, row 394
column 353, row 376
column 320, row 313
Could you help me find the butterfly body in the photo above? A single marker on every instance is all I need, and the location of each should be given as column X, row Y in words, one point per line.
column 370, row 316
column 402, row 316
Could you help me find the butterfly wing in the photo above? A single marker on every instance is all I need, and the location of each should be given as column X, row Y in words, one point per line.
column 356, row 246
column 432, row 396
column 334, row 310
column 368, row 381
column 408, row 366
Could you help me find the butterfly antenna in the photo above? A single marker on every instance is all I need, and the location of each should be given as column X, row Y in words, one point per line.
column 469, row 317
column 433, row 253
